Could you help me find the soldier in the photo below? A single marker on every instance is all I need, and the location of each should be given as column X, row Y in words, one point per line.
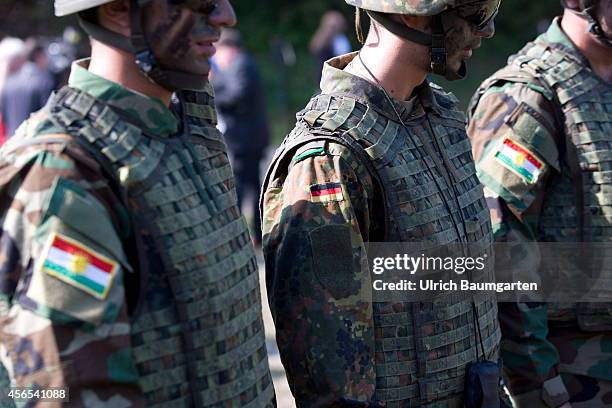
column 552, row 106
column 128, row 275
column 379, row 155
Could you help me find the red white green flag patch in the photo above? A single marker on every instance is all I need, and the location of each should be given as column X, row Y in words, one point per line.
column 320, row 193
column 78, row 265
column 520, row 160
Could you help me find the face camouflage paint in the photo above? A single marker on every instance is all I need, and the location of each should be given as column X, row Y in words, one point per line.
column 180, row 34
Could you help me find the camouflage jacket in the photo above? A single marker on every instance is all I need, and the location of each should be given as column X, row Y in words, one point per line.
column 322, row 203
column 74, row 311
column 511, row 116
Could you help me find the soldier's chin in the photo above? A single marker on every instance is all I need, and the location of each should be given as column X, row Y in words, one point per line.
column 454, row 64
column 195, row 68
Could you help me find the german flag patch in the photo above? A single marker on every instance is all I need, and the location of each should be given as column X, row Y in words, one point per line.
column 324, row 193
column 78, row 265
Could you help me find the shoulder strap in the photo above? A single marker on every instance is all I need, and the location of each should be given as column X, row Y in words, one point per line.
column 568, row 150
column 57, row 138
column 284, row 156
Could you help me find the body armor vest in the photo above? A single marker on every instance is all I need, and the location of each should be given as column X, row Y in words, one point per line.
column 197, row 329
column 421, row 349
column 578, row 202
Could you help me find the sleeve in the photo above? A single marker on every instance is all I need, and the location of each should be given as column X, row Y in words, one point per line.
column 513, row 135
column 63, row 315
column 314, row 224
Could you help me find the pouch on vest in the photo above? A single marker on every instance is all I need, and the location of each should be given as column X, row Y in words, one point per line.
column 594, row 317
column 482, row 385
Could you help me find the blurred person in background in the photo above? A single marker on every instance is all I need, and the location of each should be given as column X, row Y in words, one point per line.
column 240, row 101
column 62, row 51
column 11, row 59
column 27, row 90
column 329, row 40
column 541, row 130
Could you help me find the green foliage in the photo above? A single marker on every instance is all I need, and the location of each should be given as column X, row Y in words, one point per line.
column 295, row 21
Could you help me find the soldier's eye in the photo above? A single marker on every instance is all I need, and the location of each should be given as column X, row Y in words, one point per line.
column 208, row 7
column 198, row 6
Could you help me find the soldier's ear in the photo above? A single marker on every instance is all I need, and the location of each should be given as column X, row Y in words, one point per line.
column 421, row 23
column 115, row 16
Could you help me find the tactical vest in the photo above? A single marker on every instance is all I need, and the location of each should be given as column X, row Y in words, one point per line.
column 197, row 330
column 578, row 202
column 421, row 349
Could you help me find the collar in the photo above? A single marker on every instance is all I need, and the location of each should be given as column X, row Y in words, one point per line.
column 555, row 34
column 336, row 81
column 154, row 115
column 556, row 37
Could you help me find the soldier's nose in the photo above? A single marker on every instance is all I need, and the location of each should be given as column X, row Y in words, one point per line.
column 223, row 15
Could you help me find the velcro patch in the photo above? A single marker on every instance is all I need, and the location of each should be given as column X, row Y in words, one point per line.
column 520, row 160
column 309, row 153
column 78, row 265
column 323, row 193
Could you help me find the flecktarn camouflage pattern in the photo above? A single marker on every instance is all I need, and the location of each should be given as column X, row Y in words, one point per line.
column 520, row 121
column 168, row 318
column 321, row 204
column 413, row 7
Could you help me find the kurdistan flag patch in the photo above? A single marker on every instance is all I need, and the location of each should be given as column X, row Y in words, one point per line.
column 78, row 265
column 519, row 160
column 322, row 193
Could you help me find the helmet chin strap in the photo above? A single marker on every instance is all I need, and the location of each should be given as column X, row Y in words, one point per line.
column 145, row 58
column 435, row 41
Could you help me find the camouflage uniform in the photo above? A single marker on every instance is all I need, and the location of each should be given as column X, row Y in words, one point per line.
column 546, row 94
column 321, row 203
column 128, row 273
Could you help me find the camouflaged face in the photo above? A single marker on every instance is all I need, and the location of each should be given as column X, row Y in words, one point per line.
column 412, row 7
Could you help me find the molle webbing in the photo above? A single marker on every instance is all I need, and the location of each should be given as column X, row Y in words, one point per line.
column 585, row 102
column 421, row 348
column 197, row 333
column 578, row 204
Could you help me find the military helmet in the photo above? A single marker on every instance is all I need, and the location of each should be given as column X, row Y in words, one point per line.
column 410, row 7
column 67, row 7
column 480, row 13
column 136, row 44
